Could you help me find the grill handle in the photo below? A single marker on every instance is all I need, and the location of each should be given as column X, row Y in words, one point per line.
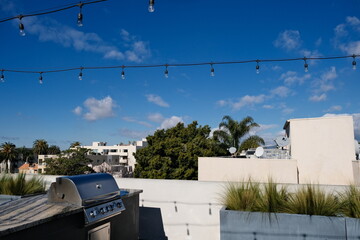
column 102, row 198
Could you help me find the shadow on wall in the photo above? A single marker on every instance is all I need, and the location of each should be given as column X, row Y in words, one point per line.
column 151, row 224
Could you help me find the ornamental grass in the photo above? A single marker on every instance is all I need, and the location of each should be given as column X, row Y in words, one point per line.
column 350, row 202
column 18, row 185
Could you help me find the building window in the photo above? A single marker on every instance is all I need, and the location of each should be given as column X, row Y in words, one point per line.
column 125, row 150
column 113, row 150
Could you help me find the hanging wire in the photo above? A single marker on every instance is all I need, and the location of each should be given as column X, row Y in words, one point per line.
column 51, row 10
column 166, row 72
column 80, row 16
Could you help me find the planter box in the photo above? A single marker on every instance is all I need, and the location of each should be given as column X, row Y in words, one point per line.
column 256, row 225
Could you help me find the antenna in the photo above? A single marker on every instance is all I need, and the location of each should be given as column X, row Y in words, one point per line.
column 282, row 141
column 259, row 151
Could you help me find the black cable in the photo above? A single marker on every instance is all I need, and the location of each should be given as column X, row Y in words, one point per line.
column 178, row 64
column 47, row 11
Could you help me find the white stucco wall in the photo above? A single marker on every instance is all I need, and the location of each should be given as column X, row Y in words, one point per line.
column 238, row 169
column 324, row 148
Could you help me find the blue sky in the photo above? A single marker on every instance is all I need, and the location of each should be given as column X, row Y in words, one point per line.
column 104, row 107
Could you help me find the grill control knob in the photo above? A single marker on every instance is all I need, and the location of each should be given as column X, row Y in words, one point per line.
column 92, row 214
column 118, row 204
column 107, row 209
column 111, row 207
column 102, row 211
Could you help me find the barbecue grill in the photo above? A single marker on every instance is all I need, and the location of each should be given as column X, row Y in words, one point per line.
column 97, row 193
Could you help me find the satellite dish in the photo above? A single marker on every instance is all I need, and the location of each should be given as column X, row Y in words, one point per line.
column 232, row 150
column 357, row 147
column 259, row 151
column 282, row 141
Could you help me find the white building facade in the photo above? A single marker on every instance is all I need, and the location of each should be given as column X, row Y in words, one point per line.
column 125, row 152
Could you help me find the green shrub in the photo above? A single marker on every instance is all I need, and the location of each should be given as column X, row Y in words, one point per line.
column 311, row 200
column 20, row 186
column 350, row 202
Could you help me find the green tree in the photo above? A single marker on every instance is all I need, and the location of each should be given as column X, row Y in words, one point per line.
column 75, row 144
column 231, row 132
column 70, row 162
column 173, row 153
column 9, row 154
column 53, row 149
column 40, row 146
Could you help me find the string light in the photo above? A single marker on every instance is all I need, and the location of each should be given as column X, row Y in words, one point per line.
column 80, row 16
column 41, row 78
column 80, row 74
column 166, row 73
column 151, row 5
column 212, row 71
column 306, row 66
column 183, row 65
column 52, row 10
column 21, row 27
column 123, row 73
column 2, row 79
column 257, row 67
column 354, row 62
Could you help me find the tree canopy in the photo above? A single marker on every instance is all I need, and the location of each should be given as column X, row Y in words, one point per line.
column 9, row 154
column 70, row 162
column 40, row 146
column 173, row 153
column 231, row 132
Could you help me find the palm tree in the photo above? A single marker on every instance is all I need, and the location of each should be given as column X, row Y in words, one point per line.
column 231, row 132
column 40, row 146
column 9, row 154
column 75, row 144
column 53, row 149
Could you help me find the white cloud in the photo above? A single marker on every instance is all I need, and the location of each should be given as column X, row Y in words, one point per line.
column 287, row 110
column 347, row 35
column 318, row 42
column 268, row 106
column 77, row 110
column 262, row 128
column 248, row 101
column 291, row 78
column 97, row 109
column 49, row 30
column 280, row 91
column 133, row 134
column 131, row 119
column 288, row 40
column 171, row 122
column 318, row 98
column 323, row 84
column 356, row 118
column 334, row 108
column 156, row 117
column 157, row 100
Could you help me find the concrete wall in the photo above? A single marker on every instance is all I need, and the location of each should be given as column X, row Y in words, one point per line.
column 324, row 148
column 238, row 169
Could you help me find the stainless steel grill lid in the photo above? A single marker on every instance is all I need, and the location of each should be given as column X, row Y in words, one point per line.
column 84, row 190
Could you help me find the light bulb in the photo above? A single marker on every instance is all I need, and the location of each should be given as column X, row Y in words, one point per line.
column 354, row 64
column 306, row 66
column 80, row 20
column 151, row 6
column 2, row 79
column 123, row 74
column 257, row 69
column 41, row 79
column 80, row 75
column 212, row 71
column 21, row 29
column 166, row 73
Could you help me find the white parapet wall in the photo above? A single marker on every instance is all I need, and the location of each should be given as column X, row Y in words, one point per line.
column 192, row 212
column 239, row 169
